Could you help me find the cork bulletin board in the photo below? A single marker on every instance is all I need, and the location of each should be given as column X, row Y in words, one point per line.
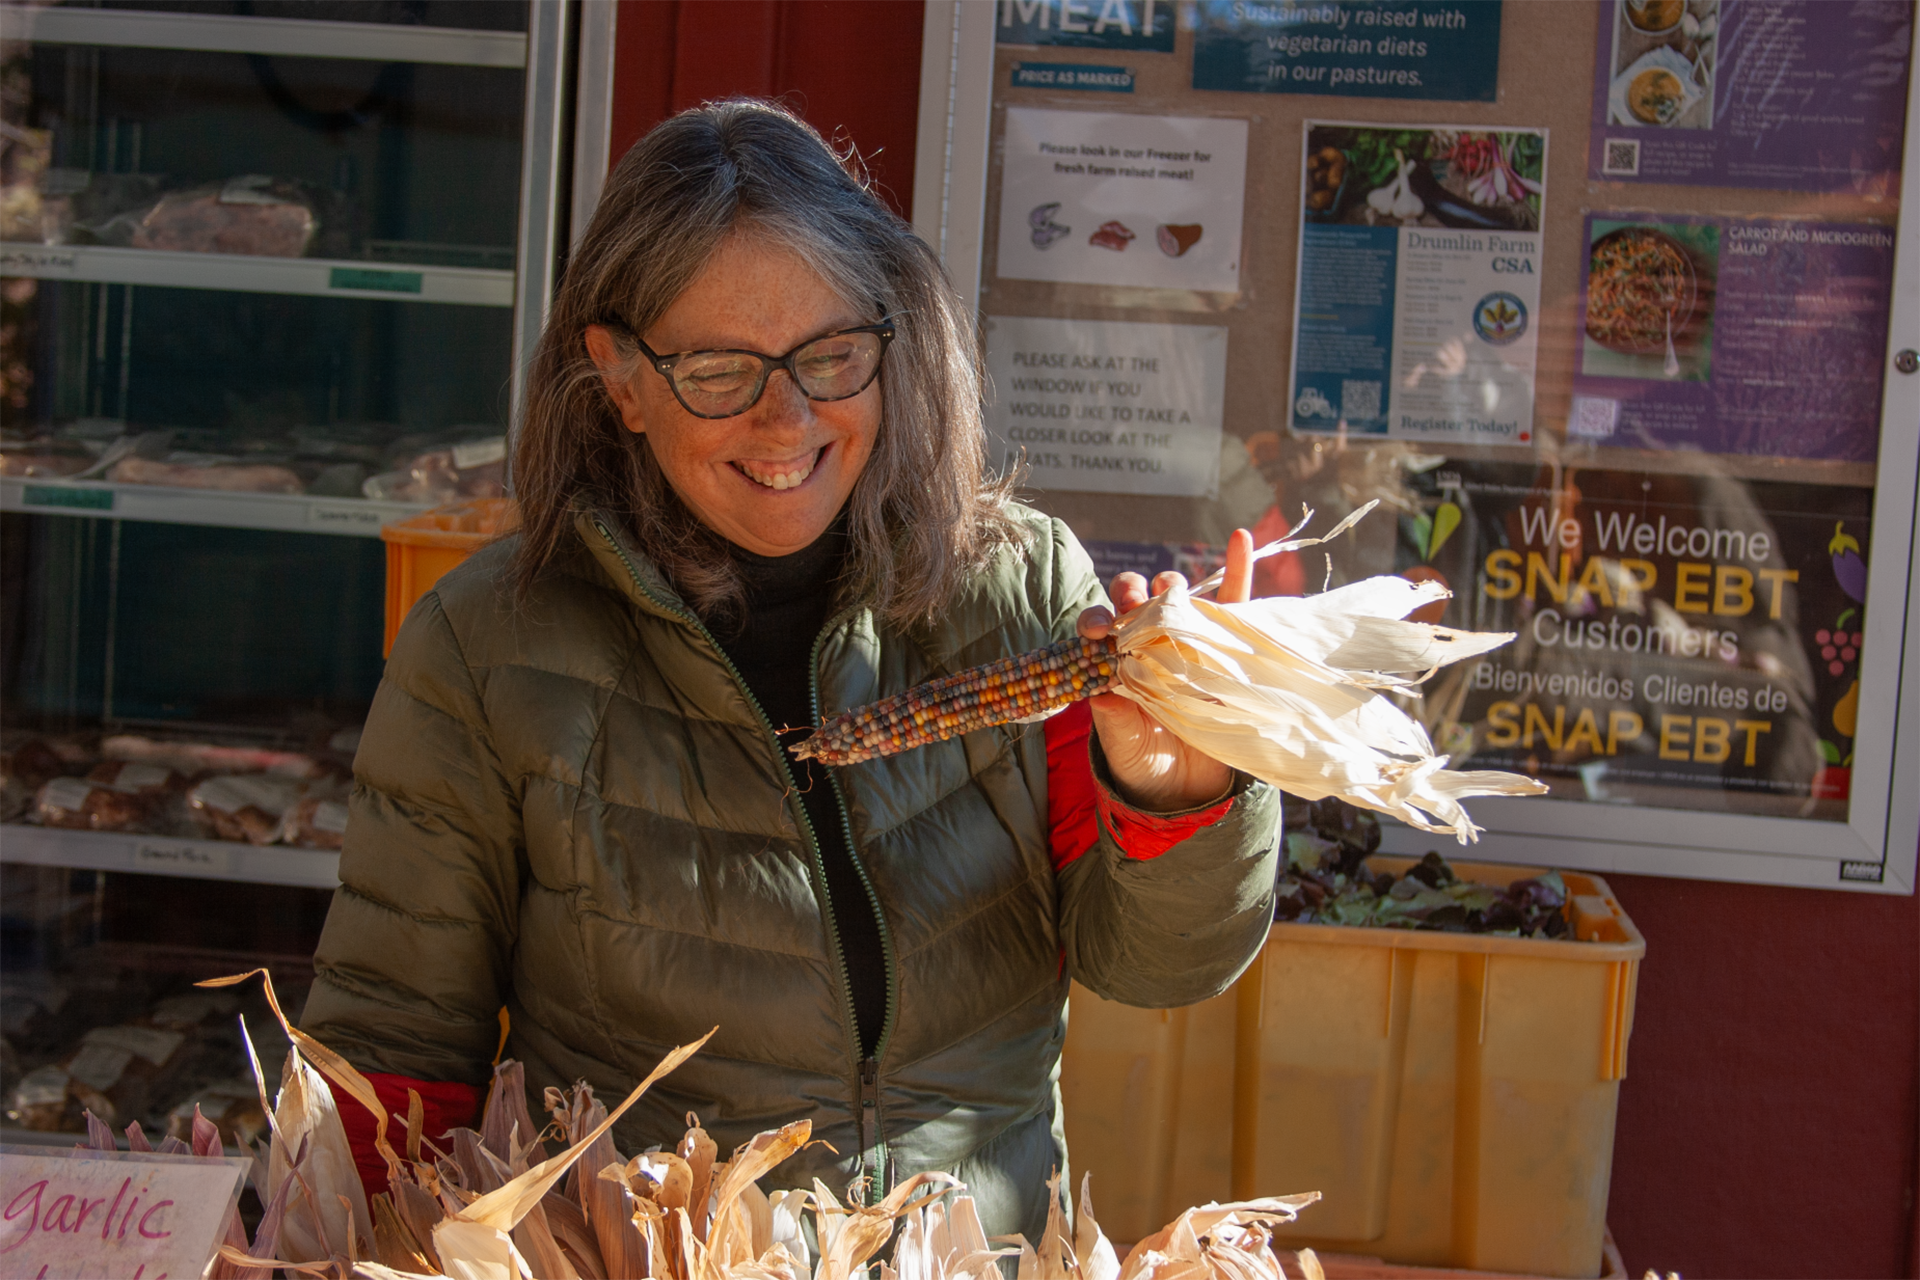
column 1669, row 493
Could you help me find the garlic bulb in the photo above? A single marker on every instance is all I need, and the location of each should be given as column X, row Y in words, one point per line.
column 1396, row 199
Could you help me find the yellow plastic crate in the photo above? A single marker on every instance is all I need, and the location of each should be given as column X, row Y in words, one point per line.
column 1348, row 1061
column 422, row 548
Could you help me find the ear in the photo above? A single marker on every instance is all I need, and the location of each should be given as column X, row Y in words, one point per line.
column 606, row 357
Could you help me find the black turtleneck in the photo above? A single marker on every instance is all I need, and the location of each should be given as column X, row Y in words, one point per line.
column 788, row 602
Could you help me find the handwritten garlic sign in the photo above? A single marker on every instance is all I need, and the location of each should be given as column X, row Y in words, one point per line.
column 120, row 1216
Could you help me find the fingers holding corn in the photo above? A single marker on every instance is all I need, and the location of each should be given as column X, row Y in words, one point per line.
column 1151, row 767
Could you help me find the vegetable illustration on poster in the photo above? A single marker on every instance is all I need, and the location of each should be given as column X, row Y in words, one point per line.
column 1781, row 94
column 1734, row 336
column 1108, row 406
column 1145, row 25
column 1418, row 288
column 1103, row 198
column 1438, row 50
column 1676, row 634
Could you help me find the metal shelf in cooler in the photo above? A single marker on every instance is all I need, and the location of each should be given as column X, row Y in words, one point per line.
column 295, row 37
column 169, row 856
column 243, row 273
column 287, row 513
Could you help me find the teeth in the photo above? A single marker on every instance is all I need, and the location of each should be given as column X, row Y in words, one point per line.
column 787, row 479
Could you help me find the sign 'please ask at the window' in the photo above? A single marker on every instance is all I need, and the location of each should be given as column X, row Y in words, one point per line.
column 65, row 1215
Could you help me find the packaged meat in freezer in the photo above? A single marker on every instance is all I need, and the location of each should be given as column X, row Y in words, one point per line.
column 195, row 471
column 118, row 1072
column 193, row 1009
column 248, row 806
column 252, row 214
column 39, row 1101
column 83, row 805
column 475, row 469
column 195, row 759
column 43, row 459
column 232, row 1105
column 317, row 822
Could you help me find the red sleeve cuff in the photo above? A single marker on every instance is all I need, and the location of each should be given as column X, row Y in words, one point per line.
column 1142, row 835
column 446, row 1106
column 1079, row 803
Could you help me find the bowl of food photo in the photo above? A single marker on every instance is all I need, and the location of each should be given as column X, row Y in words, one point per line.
column 1657, row 89
column 1644, row 291
column 1653, row 17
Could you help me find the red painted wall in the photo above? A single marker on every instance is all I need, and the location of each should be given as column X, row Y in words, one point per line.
column 1768, row 1121
column 851, row 68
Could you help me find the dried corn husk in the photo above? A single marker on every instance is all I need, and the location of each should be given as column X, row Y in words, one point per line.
column 1288, row 689
column 326, row 1213
column 467, row 1214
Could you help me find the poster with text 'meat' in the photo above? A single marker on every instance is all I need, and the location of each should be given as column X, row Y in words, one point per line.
column 1683, row 641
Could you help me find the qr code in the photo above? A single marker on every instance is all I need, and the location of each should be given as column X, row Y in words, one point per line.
column 1622, row 156
column 1593, row 417
column 1359, row 401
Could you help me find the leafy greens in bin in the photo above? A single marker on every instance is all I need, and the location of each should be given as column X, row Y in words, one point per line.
column 1327, row 881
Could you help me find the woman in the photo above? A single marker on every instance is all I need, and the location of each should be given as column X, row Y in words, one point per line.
column 751, row 478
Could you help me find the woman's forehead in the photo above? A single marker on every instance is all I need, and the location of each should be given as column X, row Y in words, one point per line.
column 753, row 292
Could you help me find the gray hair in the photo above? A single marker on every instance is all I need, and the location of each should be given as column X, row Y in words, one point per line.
column 925, row 510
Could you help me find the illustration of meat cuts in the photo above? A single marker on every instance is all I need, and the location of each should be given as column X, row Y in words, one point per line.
column 1111, row 235
column 1175, row 241
column 1045, row 229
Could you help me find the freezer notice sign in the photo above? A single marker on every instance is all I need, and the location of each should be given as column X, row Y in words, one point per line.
column 1113, row 198
column 1432, row 49
column 1108, row 406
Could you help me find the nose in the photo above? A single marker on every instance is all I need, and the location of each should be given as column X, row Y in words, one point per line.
column 781, row 405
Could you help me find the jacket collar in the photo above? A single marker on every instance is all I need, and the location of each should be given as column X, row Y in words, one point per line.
column 626, row 570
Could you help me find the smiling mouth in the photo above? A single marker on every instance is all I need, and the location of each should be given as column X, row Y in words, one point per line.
column 780, row 475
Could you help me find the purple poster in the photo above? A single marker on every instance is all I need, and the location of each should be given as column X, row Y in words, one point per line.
column 1740, row 336
column 1791, row 95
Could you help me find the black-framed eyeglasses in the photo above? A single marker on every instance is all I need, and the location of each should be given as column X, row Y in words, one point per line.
column 726, row 383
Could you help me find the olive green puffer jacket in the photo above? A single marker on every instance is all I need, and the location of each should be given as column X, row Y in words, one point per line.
column 572, row 807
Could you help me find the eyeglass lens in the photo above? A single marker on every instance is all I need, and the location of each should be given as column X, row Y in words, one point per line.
column 718, row 383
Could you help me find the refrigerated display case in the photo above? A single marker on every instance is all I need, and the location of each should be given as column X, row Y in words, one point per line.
column 270, row 271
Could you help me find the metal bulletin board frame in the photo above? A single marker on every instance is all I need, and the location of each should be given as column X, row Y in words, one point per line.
column 1874, row 849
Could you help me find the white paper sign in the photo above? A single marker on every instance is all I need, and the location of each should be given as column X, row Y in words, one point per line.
column 71, row 1214
column 1094, row 197
column 1106, row 406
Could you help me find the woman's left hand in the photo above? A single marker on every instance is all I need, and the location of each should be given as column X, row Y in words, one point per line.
column 1151, row 768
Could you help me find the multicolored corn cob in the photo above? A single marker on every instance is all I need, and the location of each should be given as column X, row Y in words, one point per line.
column 1026, row 684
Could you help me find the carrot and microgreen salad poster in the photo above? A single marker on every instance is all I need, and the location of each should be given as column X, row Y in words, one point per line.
column 1750, row 336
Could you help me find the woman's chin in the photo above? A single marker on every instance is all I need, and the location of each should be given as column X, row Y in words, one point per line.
column 781, row 523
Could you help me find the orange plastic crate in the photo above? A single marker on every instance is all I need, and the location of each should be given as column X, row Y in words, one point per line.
column 420, row 549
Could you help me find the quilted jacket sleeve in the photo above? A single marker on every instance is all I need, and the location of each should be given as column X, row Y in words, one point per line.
column 414, row 962
column 1179, row 926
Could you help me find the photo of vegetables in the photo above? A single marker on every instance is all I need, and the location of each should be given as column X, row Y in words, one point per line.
column 1649, row 292
column 1664, row 53
column 1476, row 179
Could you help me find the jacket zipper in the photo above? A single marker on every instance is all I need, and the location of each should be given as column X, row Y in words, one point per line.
column 869, row 1067
column 868, row 1091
